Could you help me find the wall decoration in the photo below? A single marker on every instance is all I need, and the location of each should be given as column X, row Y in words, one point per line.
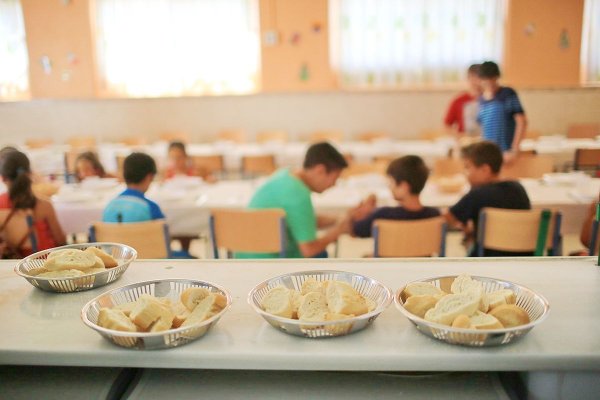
column 270, row 38
column 564, row 41
column 72, row 59
column 304, row 72
column 316, row 27
column 529, row 29
column 46, row 64
column 295, row 38
column 65, row 76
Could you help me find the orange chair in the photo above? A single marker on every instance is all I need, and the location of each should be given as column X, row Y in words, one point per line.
column 587, row 159
column 39, row 143
column 583, row 131
column 272, row 136
column 232, row 135
column 326, row 136
column 406, row 238
column 258, row 165
column 174, row 136
column 528, row 166
column 372, row 136
column 82, row 142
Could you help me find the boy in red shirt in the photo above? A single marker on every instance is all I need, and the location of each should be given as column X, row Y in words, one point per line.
column 461, row 117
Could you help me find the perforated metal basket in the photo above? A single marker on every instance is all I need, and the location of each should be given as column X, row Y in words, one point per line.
column 169, row 288
column 535, row 304
column 120, row 252
column 368, row 287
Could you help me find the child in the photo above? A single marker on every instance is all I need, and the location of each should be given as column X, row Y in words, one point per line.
column 139, row 170
column 178, row 161
column 501, row 115
column 482, row 163
column 16, row 174
column 88, row 165
column 461, row 117
column 407, row 177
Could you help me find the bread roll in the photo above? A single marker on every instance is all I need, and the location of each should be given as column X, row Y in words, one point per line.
column 296, row 300
column 485, row 321
column 164, row 321
column 126, row 308
column 68, row 273
column 278, row 301
column 500, row 297
column 190, row 297
column 94, row 271
column 339, row 328
column 70, row 259
column 310, row 285
column 451, row 306
column 510, row 315
column 146, row 311
column 420, row 304
column 422, row 288
column 342, row 298
column 207, row 308
column 463, row 283
column 181, row 313
column 116, row 320
column 462, row 321
column 107, row 259
column 313, row 307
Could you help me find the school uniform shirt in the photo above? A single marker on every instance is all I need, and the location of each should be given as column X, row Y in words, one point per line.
column 504, row 194
column 496, row 117
column 364, row 227
column 131, row 206
column 463, row 112
column 284, row 190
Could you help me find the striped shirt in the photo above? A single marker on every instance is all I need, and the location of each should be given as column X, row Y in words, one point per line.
column 496, row 117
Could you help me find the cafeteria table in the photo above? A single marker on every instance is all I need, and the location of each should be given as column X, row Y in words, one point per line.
column 45, row 329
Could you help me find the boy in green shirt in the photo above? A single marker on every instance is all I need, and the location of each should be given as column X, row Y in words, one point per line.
column 291, row 191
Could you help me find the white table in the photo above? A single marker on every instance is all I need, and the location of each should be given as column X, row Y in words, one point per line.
column 42, row 328
column 561, row 149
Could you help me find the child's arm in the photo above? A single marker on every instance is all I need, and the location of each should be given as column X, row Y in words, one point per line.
column 521, row 126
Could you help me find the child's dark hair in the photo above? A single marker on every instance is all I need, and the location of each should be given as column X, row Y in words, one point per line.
column 488, row 70
column 17, row 170
column 137, row 166
column 177, row 145
column 474, row 69
column 92, row 158
column 409, row 169
column 484, row 153
column 324, row 153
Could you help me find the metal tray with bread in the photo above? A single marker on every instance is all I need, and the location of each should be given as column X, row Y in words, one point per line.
column 489, row 323
column 373, row 293
column 76, row 275
column 169, row 291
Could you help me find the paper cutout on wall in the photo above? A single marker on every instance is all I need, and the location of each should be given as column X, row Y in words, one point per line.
column 72, row 59
column 316, row 27
column 46, row 64
column 270, row 38
column 295, row 38
column 304, row 73
column 529, row 29
column 564, row 41
column 65, row 76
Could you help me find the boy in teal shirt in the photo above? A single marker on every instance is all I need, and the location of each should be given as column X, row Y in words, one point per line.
column 291, row 191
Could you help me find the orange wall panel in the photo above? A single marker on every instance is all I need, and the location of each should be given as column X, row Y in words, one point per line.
column 534, row 57
column 57, row 28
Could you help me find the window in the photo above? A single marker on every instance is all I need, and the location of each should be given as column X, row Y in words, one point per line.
column 150, row 48
column 14, row 64
column 400, row 43
column 590, row 43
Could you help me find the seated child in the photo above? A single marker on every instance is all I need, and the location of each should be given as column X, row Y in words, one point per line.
column 132, row 205
column 178, row 161
column 407, row 177
column 88, row 165
column 482, row 163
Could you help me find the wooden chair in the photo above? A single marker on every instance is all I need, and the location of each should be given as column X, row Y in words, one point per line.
column 82, row 142
column 326, row 136
column 133, row 141
column 587, row 159
column 528, row 166
column 120, row 158
column 593, row 246
column 519, row 231
column 583, row 131
column 208, row 164
column 432, row 134
column 254, row 231
column 150, row 238
column 372, row 136
column 444, row 167
column 272, row 136
column 253, row 165
column 39, row 143
column 418, row 238
column 355, row 169
column 18, row 232
column 232, row 135
column 532, row 134
column 174, row 136
column 385, row 158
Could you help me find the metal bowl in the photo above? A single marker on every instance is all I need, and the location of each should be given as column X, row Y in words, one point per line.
column 368, row 287
column 169, row 288
column 535, row 304
column 120, row 252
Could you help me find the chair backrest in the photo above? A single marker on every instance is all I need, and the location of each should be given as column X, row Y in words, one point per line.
column 208, row 163
column 18, row 231
column 172, row 136
column 528, row 166
column 432, row 134
column 255, row 231
column 587, row 159
column 532, row 134
column 517, row 230
column 258, row 164
column 415, row 238
column 372, row 136
column 385, row 158
column 232, row 135
column 79, row 142
column 134, row 140
column 593, row 246
column 447, row 167
column 326, row 136
column 272, row 136
column 150, row 238
column 583, row 131
column 120, row 159
column 355, row 169
column 39, row 143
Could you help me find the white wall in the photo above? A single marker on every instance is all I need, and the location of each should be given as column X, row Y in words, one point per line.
column 403, row 114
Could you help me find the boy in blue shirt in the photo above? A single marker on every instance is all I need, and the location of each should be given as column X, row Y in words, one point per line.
column 501, row 115
column 132, row 205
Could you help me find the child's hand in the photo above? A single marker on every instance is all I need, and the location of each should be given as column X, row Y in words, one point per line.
column 363, row 210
